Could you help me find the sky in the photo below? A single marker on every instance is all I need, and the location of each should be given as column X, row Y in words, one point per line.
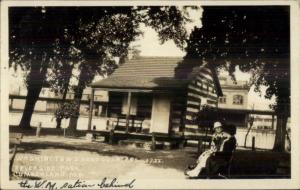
column 150, row 45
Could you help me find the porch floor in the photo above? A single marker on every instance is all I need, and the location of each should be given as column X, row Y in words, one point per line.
column 122, row 135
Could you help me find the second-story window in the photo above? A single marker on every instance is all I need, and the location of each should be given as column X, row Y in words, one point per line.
column 238, row 100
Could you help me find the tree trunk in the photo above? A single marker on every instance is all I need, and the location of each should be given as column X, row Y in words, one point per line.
column 66, row 89
column 35, row 81
column 85, row 77
column 279, row 145
column 73, row 120
column 58, row 120
column 58, row 123
column 31, row 99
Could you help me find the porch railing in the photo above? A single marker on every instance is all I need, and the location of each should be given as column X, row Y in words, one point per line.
column 135, row 123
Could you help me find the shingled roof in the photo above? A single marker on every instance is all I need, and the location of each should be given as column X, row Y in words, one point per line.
column 151, row 73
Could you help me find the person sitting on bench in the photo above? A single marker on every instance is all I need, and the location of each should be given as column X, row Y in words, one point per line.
column 219, row 162
column 218, row 139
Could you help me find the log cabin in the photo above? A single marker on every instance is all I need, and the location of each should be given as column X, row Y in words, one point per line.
column 159, row 95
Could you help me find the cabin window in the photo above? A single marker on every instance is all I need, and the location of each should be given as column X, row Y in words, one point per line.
column 222, row 100
column 144, row 105
column 238, row 99
column 115, row 104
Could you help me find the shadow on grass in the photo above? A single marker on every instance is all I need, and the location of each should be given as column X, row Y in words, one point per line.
column 28, row 147
column 44, row 131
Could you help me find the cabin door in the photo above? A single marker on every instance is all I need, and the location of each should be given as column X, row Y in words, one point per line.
column 160, row 114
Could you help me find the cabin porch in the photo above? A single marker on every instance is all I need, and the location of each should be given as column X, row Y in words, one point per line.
column 140, row 113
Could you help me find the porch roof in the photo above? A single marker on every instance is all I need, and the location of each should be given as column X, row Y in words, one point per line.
column 138, row 82
column 152, row 73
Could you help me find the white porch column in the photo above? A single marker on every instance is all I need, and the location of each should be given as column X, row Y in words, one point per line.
column 91, row 109
column 128, row 111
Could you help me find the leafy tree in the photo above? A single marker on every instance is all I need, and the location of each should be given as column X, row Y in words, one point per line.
column 41, row 39
column 257, row 40
column 61, row 68
column 67, row 110
column 33, row 33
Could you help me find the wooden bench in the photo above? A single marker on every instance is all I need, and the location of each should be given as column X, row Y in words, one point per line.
column 15, row 140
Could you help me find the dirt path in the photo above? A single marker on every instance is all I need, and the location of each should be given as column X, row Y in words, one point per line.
column 57, row 161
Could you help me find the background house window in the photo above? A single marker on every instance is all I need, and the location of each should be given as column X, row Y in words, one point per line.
column 237, row 99
column 222, row 100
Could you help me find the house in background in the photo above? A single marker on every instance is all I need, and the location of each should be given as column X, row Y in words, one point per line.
column 233, row 106
column 49, row 101
column 159, row 94
column 257, row 125
column 234, row 102
column 235, row 94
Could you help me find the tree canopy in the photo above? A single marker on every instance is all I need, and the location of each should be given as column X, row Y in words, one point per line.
column 254, row 39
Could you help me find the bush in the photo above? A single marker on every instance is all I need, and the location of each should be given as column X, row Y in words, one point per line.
column 67, row 110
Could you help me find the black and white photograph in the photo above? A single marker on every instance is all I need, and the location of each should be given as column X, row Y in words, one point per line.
column 149, row 95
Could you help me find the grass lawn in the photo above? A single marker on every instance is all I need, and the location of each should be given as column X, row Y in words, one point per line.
column 75, row 157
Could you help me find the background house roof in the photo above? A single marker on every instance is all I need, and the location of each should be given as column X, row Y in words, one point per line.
column 227, row 83
column 152, row 73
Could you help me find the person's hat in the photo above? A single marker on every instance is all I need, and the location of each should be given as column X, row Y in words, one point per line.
column 217, row 124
